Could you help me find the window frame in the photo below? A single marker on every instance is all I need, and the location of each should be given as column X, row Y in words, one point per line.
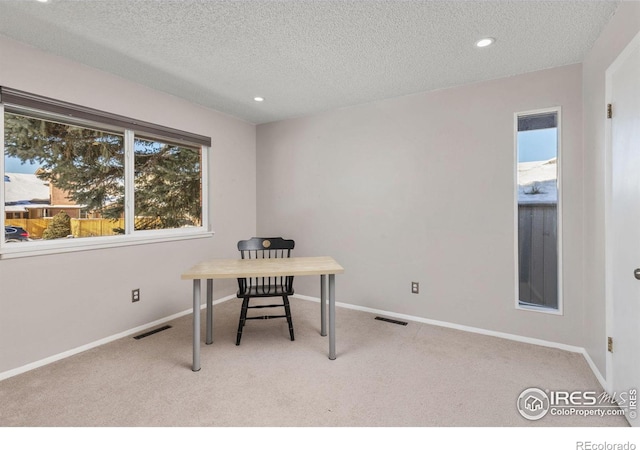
column 559, row 211
column 129, row 128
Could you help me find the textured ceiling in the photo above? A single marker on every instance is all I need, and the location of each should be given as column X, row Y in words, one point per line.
column 308, row 56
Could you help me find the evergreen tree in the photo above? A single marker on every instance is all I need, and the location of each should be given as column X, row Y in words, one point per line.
column 87, row 164
column 167, row 185
column 59, row 227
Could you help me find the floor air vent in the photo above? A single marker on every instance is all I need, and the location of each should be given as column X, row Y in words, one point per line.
column 397, row 322
column 149, row 333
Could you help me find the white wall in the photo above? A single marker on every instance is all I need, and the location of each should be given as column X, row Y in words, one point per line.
column 420, row 188
column 624, row 25
column 51, row 304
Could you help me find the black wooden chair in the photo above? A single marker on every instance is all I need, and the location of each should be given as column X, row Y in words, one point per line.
column 248, row 288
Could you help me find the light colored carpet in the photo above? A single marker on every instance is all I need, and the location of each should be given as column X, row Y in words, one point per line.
column 385, row 375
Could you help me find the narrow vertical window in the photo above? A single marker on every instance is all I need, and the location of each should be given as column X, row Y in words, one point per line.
column 538, row 210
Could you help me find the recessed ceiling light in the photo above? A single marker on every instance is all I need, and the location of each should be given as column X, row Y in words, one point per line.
column 258, row 99
column 43, row 1
column 485, row 42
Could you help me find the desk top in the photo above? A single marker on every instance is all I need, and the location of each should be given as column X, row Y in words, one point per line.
column 274, row 267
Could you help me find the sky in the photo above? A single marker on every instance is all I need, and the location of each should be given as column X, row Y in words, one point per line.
column 13, row 165
column 537, row 145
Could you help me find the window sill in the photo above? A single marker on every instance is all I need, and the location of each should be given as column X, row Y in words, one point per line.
column 21, row 250
column 540, row 309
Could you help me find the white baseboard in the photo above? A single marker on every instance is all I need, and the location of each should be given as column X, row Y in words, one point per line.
column 82, row 348
column 602, row 380
column 512, row 337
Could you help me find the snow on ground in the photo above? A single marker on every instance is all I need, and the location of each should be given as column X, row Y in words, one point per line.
column 537, row 182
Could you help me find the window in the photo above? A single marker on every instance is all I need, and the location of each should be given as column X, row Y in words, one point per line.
column 538, row 210
column 76, row 177
column 167, row 185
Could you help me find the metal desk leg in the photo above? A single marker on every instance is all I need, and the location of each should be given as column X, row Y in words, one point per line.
column 209, row 312
column 323, row 305
column 332, row 316
column 196, row 326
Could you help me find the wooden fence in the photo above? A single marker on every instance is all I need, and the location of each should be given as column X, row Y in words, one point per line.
column 79, row 227
column 538, row 254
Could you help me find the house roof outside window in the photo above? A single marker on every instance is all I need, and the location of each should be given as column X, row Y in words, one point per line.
column 22, row 190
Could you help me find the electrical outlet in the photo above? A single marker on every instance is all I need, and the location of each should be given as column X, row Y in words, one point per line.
column 135, row 295
column 415, row 287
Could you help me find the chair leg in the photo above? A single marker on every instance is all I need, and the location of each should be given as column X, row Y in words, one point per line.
column 243, row 319
column 287, row 309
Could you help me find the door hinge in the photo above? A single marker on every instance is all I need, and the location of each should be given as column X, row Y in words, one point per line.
column 610, row 344
column 609, row 111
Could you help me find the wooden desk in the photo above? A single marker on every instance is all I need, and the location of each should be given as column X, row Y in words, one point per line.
column 275, row 267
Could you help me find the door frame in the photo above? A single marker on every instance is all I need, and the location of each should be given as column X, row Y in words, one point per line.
column 608, row 201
